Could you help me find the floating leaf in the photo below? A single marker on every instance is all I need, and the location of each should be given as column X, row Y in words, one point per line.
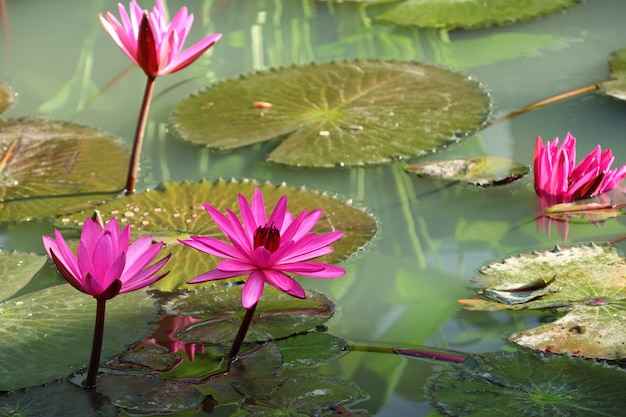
column 586, row 281
column 7, row 97
column 616, row 87
column 345, row 113
column 219, row 313
column 49, row 168
column 16, row 269
column 527, row 384
column 466, row 14
column 53, row 322
column 585, row 211
column 311, row 349
column 484, row 171
column 56, row 399
column 175, row 211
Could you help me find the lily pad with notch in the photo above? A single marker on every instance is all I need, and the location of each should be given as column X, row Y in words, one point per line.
column 584, row 282
column 528, row 384
column 338, row 113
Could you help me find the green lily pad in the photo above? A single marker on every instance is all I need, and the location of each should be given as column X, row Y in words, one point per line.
column 16, row 269
column 174, row 211
column 526, row 384
column 470, row 14
column 587, row 211
column 51, row 322
column 311, row 349
column 219, row 313
column 56, row 399
column 339, row 113
column 484, row 171
column 587, row 282
column 7, row 97
column 49, row 168
column 305, row 396
column 616, row 87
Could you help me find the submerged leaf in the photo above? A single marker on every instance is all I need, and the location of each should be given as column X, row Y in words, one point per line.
column 174, row 211
column 484, row 171
column 466, row 14
column 49, row 168
column 339, row 113
column 526, row 384
column 7, row 97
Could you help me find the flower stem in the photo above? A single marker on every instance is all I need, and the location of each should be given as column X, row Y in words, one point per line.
column 96, row 347
column 133, row 166
column 241, row 333
column 422, row 352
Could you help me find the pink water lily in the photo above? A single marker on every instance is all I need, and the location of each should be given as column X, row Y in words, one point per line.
column 106, row 264
column 153, row 43
column 266, row 249
column 557, row 176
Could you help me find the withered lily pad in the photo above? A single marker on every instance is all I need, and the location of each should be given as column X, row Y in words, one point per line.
column 587, row 282
column 338, row 113
column 589, row 211
column 218, row 313
column 616, row 87
column 174, row 211
column 7, row 97
column 56, row 399
column 51, row 322
column 489, row 170
column 470, row 14
column 49, row 168
column 526, row 384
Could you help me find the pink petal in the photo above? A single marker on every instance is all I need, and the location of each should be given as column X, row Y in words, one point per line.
column 279, row 280
column 214, row 247
column 213, row 275
column 252, row 289
column 278, row 214
column 307, row 269
column 258, row 208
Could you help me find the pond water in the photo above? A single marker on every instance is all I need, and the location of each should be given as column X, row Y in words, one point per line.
column 403, row 289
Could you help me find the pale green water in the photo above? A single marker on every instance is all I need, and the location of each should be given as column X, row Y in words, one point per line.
column 403, row 289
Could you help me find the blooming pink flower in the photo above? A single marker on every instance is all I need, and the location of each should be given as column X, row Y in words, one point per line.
column 106, row 264
column 557, row 176
column 267, row 250
column 151, row 42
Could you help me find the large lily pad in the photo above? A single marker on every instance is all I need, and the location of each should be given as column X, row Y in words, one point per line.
column 488, row 170
column 338, row 113
column 587, row 282
column 218, row 313
column 175, row 211
column 51, row 322
column 616, row 87
column 7, row 97
column 16, row 269
column 49, row 168
column 526, row 384
column 466, row 14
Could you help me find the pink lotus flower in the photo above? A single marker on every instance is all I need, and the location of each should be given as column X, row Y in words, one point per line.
column 267, row 250
column 106, row 264
column 557, row 177
column 151, row 42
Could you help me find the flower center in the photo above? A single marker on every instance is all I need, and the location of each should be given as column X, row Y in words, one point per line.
column 268, row 237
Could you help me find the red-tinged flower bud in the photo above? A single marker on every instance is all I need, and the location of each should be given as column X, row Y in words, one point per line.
column 268, row 237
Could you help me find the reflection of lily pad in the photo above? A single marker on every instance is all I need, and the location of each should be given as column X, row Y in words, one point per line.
column 57, row 399
column 49, row 168
column 489, row 170
column 452, row 14
column 347, row 113
column 175, row 211
column 220, row 312
column 616, row 87
column 7, row 97
column 526, row 384
column 587, row 282
column 51, row 322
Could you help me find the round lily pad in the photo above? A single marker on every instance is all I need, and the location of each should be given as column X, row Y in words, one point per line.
column 49, row 168
column 174, row 211
column 485, row 171
column 526, row 384
column 616, row 87
column 586, row 282
column 16, row 270
column 337, row 113
column 466, row 14
column 7, row 97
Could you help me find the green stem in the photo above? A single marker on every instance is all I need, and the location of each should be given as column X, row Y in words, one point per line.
column 241, row 333
column 422, row 352
column 96, row 347
column 133, row 166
